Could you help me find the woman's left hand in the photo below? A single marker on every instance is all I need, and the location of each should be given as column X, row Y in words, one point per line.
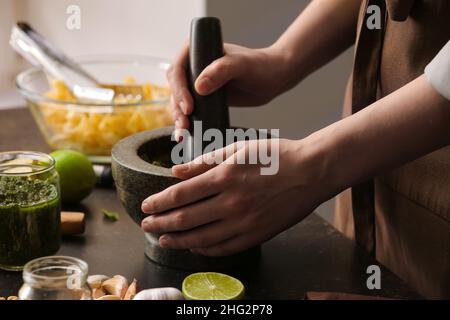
column 221, row 209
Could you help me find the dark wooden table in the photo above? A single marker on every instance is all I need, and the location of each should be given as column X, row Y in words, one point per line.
column 311, row 256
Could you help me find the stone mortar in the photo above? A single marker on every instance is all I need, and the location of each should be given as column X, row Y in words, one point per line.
column 136, row 179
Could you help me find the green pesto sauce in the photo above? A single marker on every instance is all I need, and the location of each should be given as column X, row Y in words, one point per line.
column 29, row 220
column 161, row 161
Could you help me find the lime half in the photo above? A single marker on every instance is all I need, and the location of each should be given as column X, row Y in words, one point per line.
column 212, row 286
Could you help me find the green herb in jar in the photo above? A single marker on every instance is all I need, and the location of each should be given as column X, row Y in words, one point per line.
column 29, row 219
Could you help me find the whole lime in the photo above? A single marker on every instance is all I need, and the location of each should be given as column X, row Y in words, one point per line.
column 76, row 175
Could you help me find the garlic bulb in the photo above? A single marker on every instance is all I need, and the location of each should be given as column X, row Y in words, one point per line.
column 159, row 294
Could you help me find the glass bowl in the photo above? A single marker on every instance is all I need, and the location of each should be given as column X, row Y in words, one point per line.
column 94, row 128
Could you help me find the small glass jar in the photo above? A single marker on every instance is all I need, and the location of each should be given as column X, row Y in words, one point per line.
column 55, row 278
column 30, row 213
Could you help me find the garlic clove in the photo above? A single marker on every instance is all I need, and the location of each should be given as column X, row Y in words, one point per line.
column 109, row 297
column 159, row 294
column 117, row 286
column 131, row 291
column 98, row 293
column 13, row 298
column 95, row 281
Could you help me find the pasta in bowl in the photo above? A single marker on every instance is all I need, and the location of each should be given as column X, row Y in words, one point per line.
column 94, row 128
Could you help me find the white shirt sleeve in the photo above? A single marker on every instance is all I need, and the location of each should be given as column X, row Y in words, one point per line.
column 438, row 72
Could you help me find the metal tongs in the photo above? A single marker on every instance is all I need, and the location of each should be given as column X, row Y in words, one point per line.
column 40, row 52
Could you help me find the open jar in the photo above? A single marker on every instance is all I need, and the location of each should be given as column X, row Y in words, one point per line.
column 55, row 278
column 30, row 214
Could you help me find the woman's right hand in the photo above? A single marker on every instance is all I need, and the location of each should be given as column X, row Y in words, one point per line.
column 253, row 77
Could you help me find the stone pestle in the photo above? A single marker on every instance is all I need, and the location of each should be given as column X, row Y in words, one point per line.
column 211, row 111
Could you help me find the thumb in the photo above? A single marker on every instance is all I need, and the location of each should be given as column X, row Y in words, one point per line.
column 218, row 74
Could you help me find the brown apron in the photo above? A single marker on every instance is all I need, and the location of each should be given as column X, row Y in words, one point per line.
column 403, row 217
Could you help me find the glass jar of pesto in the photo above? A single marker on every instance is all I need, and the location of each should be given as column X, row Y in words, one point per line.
column 29, row 208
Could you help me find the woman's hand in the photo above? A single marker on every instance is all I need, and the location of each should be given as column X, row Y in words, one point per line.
column 254, row 77
column 221, row 209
